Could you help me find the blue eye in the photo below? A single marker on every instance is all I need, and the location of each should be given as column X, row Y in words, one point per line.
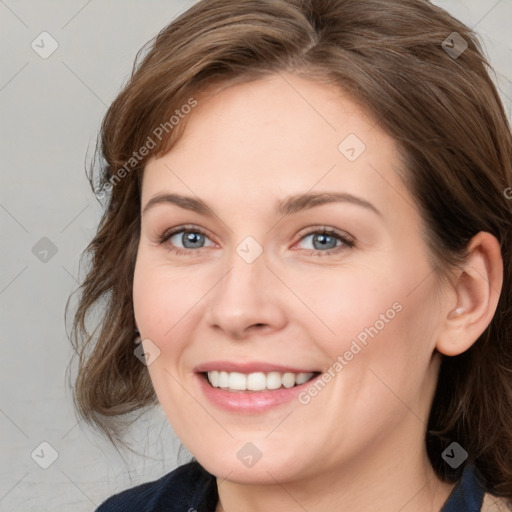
column 325, row 241
column 192, row 238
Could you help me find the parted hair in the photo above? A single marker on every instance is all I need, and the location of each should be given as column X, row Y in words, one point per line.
column 399, row 61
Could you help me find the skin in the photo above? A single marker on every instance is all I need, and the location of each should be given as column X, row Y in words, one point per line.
column 358, row 444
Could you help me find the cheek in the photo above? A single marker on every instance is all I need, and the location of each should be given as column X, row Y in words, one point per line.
column 167, row 302
column 165, row 313
column 373, row 317
column 345, row 304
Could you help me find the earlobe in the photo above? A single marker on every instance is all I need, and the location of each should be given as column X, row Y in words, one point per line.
column 477, row 292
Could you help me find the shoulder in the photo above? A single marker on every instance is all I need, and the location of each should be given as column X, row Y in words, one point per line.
column 187, row 487
column 494, row 504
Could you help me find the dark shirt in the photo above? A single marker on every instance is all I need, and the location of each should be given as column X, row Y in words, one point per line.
column 190, row 488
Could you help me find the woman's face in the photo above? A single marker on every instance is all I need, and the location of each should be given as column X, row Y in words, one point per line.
column 252, row 285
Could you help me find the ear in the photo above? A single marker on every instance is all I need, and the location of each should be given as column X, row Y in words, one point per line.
column 477, row 291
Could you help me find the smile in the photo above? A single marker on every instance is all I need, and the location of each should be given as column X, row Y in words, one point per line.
column 252, row 387
column 257, row 381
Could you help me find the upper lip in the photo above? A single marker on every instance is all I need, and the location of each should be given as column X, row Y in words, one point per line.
column 249, row 367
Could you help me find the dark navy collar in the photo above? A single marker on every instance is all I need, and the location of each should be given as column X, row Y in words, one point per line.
column 467, row 495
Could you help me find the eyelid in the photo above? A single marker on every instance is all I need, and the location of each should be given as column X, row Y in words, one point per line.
column 184, row 227
column 325, row 229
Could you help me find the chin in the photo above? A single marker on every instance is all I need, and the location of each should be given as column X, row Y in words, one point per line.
column 265, row 470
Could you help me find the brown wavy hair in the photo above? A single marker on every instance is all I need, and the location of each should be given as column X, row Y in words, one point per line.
column 455, row 142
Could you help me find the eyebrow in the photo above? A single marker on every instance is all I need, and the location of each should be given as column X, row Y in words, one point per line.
column 287, row 206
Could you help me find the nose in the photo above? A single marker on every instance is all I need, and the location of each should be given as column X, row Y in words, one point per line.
column 248, row 299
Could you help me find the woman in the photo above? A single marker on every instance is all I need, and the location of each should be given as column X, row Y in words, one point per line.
column 308, row 236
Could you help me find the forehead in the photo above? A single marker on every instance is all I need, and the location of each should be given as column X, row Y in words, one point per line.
column 278, row 136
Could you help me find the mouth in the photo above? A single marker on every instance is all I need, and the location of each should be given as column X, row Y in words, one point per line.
column 252, row 387
column 256, row 381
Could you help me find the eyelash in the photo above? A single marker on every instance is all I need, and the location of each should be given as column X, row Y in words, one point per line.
column 346, row 242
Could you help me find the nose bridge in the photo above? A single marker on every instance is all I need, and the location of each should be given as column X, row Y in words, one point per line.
column 245, row 295
column 242, row 286
column 247, row 267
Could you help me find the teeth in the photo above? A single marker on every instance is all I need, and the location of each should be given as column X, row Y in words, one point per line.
column 289, row 380
column 302, row 377
column 257, row 381
column 237, row 381
column 274, row 380
column 223, row 380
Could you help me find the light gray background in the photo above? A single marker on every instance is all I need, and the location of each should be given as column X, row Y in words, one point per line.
column 50, row 111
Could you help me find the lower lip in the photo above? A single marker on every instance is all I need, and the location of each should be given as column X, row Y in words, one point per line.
column 250, row 402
